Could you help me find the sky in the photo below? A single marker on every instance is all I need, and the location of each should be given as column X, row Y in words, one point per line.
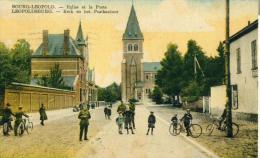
column 161, row 21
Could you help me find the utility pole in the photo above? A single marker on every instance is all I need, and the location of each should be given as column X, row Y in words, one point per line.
column 227, row 75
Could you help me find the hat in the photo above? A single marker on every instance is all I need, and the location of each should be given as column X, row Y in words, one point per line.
column 8, row 104
column 20, row 107
column 187, row 109
column 151, row 112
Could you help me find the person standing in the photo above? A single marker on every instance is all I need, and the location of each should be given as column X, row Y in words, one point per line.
column 105, row 112
column 132, row 109
column 151, row 123
column 187, row 118
column 18, row 119
column 7, row 118
column 109, row 112
column 128, row 121
column 120, row 122
column 84, row 116
column 43, row 115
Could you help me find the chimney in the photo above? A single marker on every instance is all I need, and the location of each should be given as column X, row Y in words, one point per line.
column 45, row 42
column 248, row 22
column 66, row 41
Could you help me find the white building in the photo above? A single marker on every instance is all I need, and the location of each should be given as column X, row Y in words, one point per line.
column 244, row 70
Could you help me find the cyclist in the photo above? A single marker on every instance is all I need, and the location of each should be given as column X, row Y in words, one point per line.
column 7, row 118
column 18, row 119
column 187, row 118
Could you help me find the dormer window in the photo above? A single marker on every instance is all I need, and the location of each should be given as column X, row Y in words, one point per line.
column 136, row 47
column 130, row 47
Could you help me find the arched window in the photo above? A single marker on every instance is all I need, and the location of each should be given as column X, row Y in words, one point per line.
column 130, row 47
column 136, row 47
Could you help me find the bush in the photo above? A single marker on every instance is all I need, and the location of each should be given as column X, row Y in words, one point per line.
column 157, row 95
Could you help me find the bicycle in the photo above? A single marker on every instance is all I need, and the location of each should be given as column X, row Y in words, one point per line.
column 176, row 128
column 6, row 127
column 25, row 125
column 215, row 124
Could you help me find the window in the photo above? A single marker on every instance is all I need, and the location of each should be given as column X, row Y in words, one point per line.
column 238, row 61
column 130, row 47
column 254, row 55
column 147, row 77
column 234, row 97
column 136, row 47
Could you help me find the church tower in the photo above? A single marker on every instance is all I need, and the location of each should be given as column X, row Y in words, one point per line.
column 132, row 65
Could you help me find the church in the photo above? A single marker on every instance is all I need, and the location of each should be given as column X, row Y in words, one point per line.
column 137, row 77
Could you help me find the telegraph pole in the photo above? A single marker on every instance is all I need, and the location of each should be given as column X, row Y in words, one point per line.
column 227, row 75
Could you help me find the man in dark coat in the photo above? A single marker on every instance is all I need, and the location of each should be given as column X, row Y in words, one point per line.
column 187, row 118
column 105, row 112
column 7, row 118
column 132, row 109
column 151, row 123
column 84, row 116
column 43, row 115
column 128, row 120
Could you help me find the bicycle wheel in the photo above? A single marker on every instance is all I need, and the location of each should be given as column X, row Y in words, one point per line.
column 5, row 128
column 175, row 130
column 210, row 129
column 235, row 128
column 30, row 126
column 20, row 129
column 195, row 130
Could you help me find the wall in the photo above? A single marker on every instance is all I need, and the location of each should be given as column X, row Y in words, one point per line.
column 30, row 97
column 217, row 100
column 246, row 82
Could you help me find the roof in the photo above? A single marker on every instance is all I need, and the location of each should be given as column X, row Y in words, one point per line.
column 152, row 66
column 56, row 47
column 37, row 86
column 133, row 30
column 79, row 38
column 244, row 31
column 68, row 81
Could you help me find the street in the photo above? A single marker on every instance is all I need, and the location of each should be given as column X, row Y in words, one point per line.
column 59, row 138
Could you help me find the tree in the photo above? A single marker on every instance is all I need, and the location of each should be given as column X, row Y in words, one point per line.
column 54, row 79
column 170, row 78
column 111, row 93
column 191, row 92
column 7, row 71
column 157, row 95
column 21, row 58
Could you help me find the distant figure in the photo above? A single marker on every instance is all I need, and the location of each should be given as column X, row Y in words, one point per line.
column 121, row 108
column 43, row 115
column 222, row 118
column 84, row 117
column 18, row 119
column 128, row 120
column 151, row 123
column 109, row 112
column 120, row 122
column 80, row 106
column 105, row 112
column 132, row 109
column 187, row 118
column 7, row 118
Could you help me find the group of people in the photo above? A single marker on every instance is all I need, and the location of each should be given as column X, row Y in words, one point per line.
column 126, row 117
column 8, row 117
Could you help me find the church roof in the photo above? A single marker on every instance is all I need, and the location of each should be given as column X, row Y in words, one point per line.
column 80, row 38
column 152, row 66
column 56, row 46
column 133, row 30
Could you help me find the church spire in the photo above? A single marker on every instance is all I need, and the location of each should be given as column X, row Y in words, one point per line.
column 80, row 38
column 133, row 30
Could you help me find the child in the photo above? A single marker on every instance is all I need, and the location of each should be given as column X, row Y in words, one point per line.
column 151, row 122
column 187, row 121
column 174, row 120
column 120, row 121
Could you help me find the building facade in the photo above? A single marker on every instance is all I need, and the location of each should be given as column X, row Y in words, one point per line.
column 71, row 55
column 244, row 69
column 133, row 80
